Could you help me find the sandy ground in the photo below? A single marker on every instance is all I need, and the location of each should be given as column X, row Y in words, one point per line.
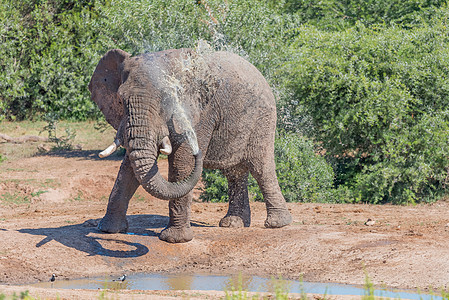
column 65, row 194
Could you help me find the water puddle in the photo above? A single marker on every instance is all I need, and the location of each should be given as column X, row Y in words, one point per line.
column 226, row 283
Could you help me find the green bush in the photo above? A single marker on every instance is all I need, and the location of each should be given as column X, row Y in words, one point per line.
column 340, row 14
column 215, row 186
column 48, row 48
column 303, row 175
column 377, row 98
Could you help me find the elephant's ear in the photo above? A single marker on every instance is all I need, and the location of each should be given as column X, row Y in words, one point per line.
column 105, row 83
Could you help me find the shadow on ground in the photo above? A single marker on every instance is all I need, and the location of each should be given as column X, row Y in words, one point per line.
column 84, row 154
column 87, row 238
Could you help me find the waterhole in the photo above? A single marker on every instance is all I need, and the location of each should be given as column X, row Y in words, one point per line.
column 225, row 283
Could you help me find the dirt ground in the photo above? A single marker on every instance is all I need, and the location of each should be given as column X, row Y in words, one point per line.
column 52, row 202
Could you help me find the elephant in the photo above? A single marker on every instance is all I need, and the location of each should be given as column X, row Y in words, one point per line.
column 204, row 109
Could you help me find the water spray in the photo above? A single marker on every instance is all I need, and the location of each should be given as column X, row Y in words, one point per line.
column 192, row 67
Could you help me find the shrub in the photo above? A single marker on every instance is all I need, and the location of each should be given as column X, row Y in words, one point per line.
column 340, row 14
column 303, row 175
column 377, row 98
column 215, row 186
column 48, row 51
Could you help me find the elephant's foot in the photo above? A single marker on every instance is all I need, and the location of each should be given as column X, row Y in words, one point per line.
column 173, row 234
column 112, row 224
column 278, row 218
column 233, row 222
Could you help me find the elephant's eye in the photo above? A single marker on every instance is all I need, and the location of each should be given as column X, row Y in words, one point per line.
column 105, row 79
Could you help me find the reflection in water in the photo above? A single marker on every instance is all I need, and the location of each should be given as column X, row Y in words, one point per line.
column 181, row 282
column 117, row 285
column 239, row 283
column 225, row 283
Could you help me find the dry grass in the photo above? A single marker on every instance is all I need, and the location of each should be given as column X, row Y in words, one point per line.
column 86, row 137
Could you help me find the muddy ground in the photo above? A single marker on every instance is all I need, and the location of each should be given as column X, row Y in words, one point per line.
column 52, row 202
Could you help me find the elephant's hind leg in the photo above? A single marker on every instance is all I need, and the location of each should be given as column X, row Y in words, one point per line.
column 239, row 212
column 265, row 174
column 124, row 188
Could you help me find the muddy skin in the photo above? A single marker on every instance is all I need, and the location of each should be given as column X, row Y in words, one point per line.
column 214, row 105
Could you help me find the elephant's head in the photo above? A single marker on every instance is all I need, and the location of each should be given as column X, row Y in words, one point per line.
column 133, row 103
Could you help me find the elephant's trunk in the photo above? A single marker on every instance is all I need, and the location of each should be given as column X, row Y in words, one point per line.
column 143, row 150
column 160, row 188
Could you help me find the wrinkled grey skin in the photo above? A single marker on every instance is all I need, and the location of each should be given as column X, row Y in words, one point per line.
column 226, row 101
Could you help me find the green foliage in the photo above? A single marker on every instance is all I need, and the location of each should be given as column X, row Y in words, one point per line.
column 215, row 186
column 303, row 175
column 445, row 294
column 340, row 14
column 49, row 53
column 23, row 295
column 368, row 289
column 63, row 142
column 377, row 98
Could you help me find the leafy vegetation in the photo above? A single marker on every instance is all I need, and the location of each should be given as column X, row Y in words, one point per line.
column 60, row 142
column 341, row 14
column 46, row 49
column 361, row 85
column 23, row 295
column 378, row 102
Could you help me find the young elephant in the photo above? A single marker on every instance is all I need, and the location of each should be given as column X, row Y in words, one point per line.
column 201, row 108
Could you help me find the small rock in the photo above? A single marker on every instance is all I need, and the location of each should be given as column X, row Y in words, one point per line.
column 78, row 147
column 370, row 222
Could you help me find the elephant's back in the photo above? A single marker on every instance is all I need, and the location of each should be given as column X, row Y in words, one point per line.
column 237, row 71
column 246, row 111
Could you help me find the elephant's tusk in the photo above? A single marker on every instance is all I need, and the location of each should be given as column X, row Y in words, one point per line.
column 166, row 146
column 109, row 150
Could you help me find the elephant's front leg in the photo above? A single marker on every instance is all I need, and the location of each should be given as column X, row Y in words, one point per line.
column 124, row 188
column 178, row 229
